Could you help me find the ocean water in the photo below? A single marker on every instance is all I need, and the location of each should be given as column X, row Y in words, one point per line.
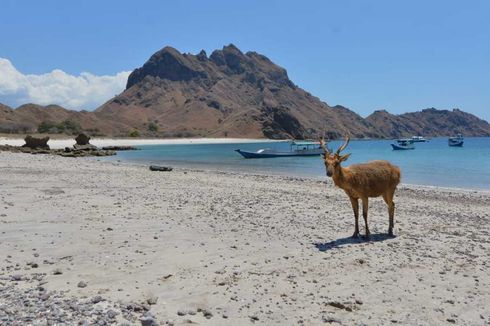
column 433, row 163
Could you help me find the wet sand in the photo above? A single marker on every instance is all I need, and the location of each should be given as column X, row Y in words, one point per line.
column 81, row 237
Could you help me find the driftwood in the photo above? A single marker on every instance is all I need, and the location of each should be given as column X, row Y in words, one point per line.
column 160, row 168
column 119, row 148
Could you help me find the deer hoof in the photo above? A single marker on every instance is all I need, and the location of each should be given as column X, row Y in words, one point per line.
column 355, row 235
column 390, row 233
column 368, row 235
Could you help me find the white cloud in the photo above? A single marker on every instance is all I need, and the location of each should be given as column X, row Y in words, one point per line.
column 86, row 91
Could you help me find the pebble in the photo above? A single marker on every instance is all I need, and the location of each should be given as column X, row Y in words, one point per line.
column 82, row 284
column 16, row 277
column 152, row 300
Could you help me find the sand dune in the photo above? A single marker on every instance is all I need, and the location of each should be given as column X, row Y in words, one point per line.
column 219, row 248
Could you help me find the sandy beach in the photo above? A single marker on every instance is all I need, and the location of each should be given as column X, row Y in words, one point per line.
column 57, row 143
column 83, row 240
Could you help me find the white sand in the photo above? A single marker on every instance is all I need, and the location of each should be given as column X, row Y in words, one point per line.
column 244, row 246
column 101, row 142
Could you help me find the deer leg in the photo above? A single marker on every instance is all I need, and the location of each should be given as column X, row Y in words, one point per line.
column 391, row 211
column 365, row 203
column 355, row 207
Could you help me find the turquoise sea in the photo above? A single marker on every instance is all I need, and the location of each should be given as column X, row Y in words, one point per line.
column 433, row 163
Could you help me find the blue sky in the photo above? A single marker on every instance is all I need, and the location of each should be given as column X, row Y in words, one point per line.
column 395, row 55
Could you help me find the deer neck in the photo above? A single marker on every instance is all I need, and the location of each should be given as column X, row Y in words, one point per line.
column 340, row 176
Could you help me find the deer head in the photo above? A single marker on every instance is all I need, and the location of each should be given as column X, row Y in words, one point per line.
column 332, row 160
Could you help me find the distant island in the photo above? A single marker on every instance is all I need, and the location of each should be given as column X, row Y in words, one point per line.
column 227, row 94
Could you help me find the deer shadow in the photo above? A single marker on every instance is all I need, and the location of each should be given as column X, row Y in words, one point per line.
column 375, row 237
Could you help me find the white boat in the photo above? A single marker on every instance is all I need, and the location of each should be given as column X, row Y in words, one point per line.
column 403, row 144
column 419, row 139
column 456, row 141
column 297, row 148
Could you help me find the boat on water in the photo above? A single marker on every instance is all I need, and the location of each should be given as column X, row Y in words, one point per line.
column 456, row 141
column 419, row 139
column 297, row 148
column 403, row 144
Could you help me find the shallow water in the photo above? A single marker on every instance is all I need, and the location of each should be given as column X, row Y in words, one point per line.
column 433, row 163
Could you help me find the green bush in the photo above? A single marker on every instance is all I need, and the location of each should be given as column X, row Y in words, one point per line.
column 66, row 126
column 152, row 127
column 134, row 133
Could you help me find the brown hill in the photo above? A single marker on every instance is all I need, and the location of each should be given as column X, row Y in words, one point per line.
column 228, row 94
column 428, row 122
column 28, row 118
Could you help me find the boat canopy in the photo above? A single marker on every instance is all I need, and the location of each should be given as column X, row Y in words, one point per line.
column 304, row 143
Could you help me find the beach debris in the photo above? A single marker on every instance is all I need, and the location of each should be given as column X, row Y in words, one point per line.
column 35, row 143
column 165, row 277
column 339, row 305
column 254, row 318
column 160, row 168
column 57, row 271
column 119, row 148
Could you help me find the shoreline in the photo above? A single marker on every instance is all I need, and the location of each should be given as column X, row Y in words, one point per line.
column 220, row 248
column 59, row 143
column 321, row 178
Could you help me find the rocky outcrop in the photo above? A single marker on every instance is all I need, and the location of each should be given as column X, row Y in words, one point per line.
column 67, row 152
column 82, row 139
column 228, row 94
column 83, row 143
column 36, row 143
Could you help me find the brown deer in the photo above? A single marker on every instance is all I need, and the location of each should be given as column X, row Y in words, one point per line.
column 361, row 181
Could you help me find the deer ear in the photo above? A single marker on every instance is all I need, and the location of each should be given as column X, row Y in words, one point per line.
column 344, row 157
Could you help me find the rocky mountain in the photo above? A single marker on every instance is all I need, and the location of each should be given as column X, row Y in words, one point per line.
column 429, row 122
column 227, row 94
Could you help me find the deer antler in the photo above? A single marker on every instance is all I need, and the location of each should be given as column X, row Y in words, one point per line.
column 322, row 144
column 344, row 145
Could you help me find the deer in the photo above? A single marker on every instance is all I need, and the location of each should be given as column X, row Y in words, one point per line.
column 363, row 181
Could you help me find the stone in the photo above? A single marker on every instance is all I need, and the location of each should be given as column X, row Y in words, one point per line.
column 87, row 147
column 148, row 320
column 82, row 139
column 152, row 300
column 82, row 284
column 16, row 277
column 35, row 143
column 97, row 299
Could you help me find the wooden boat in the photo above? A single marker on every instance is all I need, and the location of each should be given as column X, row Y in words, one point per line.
column 296, row 149
column 403, row 144
column 456, row 141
